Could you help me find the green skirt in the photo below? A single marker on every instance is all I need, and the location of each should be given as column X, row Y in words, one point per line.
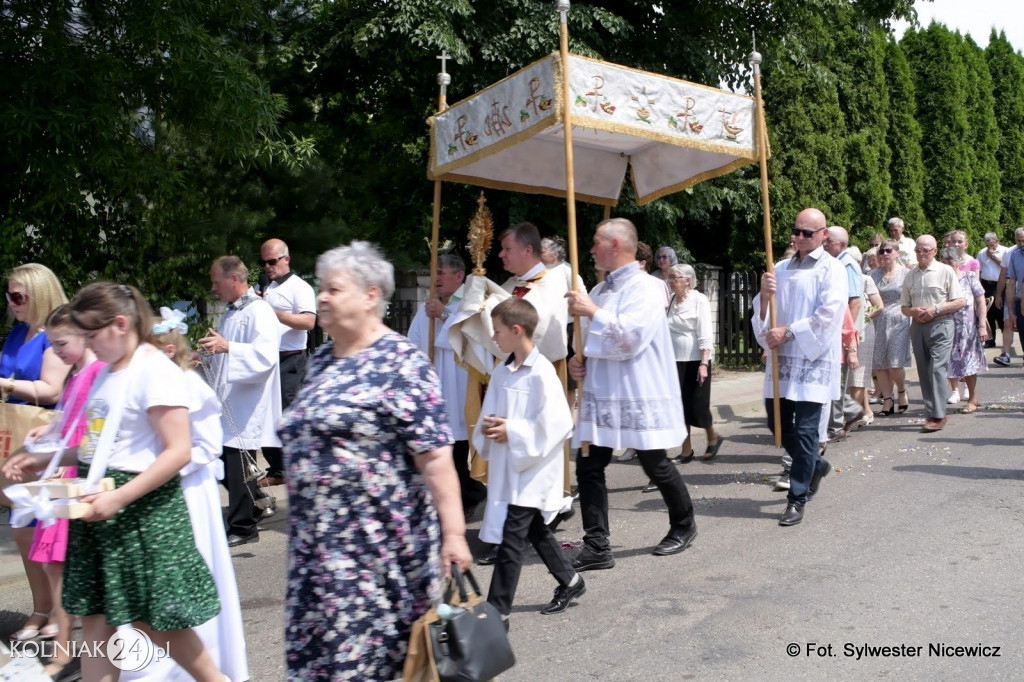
column 141, row 565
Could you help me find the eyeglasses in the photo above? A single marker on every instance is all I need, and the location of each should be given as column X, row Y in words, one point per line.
column 923, row 250
column 662, row 255
column 17, row 298
column 675, row 277
column 807, row 234
column 272, row 261
column 887, row 251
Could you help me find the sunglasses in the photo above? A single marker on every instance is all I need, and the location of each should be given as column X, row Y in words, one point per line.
column 17, row 298
column 807, row 234
column 272, row 261
column 887, row 251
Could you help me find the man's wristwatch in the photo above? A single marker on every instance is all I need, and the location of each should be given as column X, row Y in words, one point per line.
column 789, row 334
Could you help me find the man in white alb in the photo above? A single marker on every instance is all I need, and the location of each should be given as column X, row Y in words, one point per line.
column 631, row 395
column 811, row 296
column 241, row 365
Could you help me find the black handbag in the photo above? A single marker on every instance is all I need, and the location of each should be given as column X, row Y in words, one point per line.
column 472, row 645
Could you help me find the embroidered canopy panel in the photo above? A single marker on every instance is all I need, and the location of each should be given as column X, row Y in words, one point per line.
column 670, row 134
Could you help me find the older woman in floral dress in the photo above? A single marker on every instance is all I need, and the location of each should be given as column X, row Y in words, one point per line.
column 375, row 511
column 970, row 329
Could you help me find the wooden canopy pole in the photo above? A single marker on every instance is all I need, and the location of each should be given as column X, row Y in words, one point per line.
column 762, row 153
column 443, row 79
column 562, row 6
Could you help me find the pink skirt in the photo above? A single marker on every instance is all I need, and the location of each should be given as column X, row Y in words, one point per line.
column 50, row 544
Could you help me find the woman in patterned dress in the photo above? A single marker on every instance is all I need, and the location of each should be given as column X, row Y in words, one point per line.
column 970, row 325
column 892, row 330
column 374, row 497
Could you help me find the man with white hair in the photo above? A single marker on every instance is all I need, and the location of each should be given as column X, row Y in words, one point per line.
column 846, row 411
column 907, row 255
column 631, row 395
column 931, row 294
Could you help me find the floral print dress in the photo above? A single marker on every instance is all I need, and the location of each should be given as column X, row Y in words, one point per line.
column 364, row 535
column 967, row 357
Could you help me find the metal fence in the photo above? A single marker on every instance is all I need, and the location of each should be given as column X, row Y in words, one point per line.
column 736, row 345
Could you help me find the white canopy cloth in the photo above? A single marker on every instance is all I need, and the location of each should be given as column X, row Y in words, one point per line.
column 673, row 134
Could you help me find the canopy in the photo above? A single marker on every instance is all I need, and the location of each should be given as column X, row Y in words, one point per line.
column 671, row 133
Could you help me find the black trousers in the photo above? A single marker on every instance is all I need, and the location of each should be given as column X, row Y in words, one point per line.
column 521, row 525
column 593, row 491
column 473, row 491
column 242, row 514
column 293, row 372
column 994, row 314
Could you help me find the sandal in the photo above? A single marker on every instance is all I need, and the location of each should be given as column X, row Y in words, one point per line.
column 886, row 412
column 45, row 630
column 971, row 408
column 903, row 408
column 712, row 450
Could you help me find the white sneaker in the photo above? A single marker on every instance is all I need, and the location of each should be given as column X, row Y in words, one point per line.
column 629, row 454
column 954, row 398
column 965, row 395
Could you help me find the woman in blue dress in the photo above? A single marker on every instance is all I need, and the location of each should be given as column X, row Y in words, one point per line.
column 375, row 509
column 31, row 373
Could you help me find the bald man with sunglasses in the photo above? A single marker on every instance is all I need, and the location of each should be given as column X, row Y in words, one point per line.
column 811, row 298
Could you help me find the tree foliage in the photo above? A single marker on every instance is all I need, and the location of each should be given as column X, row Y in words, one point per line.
column 906, row 167
column 1006, row 67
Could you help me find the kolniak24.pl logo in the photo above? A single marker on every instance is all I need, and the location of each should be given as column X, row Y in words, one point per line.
column 128, row 649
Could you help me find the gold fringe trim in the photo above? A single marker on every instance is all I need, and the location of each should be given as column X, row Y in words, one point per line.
column 527, row 189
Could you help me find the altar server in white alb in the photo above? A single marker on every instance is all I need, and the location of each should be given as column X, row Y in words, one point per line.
column 524, row 422
column 631, row 395
column 224, row 634
column 811, row 295
column 242, row 367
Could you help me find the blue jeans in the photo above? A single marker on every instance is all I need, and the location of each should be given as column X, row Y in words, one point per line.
column 800, row 439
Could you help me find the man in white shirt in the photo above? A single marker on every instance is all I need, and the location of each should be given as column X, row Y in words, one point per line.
column 845, row 410
column 241, row 365
column 294, row 303
column 907, row 255
column 812, row 295
column 631, row 396
column 451, row 272
column 991, row 260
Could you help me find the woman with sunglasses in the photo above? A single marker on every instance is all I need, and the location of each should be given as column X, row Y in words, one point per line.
column 892, row 330
column 30, row 372
column 664, row 258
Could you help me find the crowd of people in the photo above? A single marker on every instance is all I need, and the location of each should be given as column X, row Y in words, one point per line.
column 388, row 449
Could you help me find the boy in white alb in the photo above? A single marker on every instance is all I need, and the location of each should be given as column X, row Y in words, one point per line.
column 524, row 422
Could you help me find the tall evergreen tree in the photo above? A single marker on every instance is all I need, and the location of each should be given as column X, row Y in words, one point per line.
column 940, row 83
column 983, row 131
column 863, row 94
column 906, row 167
column 806, row 131
column 1006, row 66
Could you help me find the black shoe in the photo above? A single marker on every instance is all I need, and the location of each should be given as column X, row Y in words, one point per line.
column 237, row 540
column 820, row 472
column 590, row 560
column 793, row 515
column 675, row 542
column 560, row 517
column 490, row 558
column 563, row 597
column 650, row 488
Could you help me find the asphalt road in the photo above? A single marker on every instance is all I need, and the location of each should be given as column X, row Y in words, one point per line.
column 914, row 543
